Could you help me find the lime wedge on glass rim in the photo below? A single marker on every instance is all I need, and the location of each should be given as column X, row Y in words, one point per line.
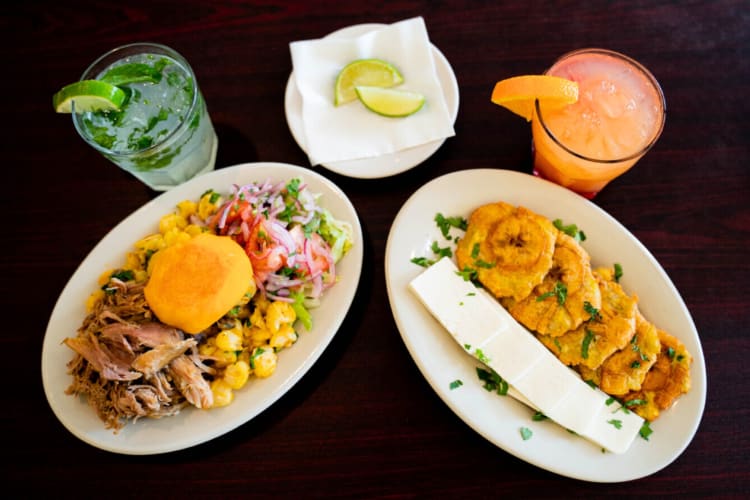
column 390, row 102
column 369, row 72
column 88, row 95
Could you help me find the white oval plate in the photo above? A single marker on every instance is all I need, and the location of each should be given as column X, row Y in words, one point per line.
column 388, row 164
column 498, row 419
column 192, row 426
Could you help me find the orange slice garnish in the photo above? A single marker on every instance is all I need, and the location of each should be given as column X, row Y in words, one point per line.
column 519, row 93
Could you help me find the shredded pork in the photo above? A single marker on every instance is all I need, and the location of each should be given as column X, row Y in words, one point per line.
column 128, row 365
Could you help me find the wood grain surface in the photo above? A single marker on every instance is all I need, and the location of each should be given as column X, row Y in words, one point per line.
column 363, row 422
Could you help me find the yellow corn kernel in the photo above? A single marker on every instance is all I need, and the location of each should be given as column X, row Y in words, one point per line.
column 186, row 208
column 229, row 340
column 193, row 230
column 93, row 299
column 140, row 275
column 236, row 374
column 134, row 260
column 261, row 302
column 174, row 236
column 256, row 319
column 205, row 207
column 279, row 313
column 285, row 337
column 259, row 336
column 224, row 358
column 153, row 242
column 207, row 349
column 104, row 277
column 263, row 362
column 171, row 221
column 223, row 393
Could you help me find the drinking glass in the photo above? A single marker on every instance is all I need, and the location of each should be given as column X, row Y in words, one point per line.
column 618, row 117
column 162, row 134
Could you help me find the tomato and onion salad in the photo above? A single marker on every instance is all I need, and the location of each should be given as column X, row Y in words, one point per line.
column 293, row 243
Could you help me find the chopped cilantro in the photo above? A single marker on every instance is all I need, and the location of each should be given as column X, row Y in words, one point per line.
column 526, row 433
column 481, row 356
column 560, row 291
column 492, row 381
column 475, row 251
column 441, row 252
column 618, row 272
column 468, row 274
column 456, row 384
column 539, row 416
column 646, row 430
column 617, row 423
column 570, row 229
column 422, row 261
column 123, row 275
column 586, row 343
column 592, row 311
column 292, row 187
column 445, row 224
column 635, row 402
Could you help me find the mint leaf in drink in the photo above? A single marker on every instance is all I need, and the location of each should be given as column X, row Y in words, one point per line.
column 132, row 73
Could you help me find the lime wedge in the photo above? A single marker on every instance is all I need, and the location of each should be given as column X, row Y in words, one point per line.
column 369, row 72
column 89, row 95
column 390, row 102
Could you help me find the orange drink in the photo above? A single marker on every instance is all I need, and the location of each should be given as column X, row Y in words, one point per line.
column 618, row 116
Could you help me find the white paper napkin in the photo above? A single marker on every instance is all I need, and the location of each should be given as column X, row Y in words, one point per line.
column 350, row 131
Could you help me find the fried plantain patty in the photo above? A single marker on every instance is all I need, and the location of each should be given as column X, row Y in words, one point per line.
column 625, row 370
column 544, row 310
column 600, row 337
column 667, row 379
column 509, row 247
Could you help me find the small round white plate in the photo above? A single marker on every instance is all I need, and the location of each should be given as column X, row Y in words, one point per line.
column 388, row 164
column 441, row 360
column 192, row 426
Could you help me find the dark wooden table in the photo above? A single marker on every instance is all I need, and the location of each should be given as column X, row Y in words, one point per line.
column 364, row 422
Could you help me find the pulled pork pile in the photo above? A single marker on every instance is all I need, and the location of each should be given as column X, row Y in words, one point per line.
column 129, row 365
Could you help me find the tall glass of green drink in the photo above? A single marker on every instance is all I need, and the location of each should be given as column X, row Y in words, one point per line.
column 162, row 133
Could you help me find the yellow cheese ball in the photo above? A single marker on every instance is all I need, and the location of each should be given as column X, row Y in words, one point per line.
column 193, row 284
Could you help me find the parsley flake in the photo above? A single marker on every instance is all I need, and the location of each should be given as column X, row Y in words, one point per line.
column 617, row 423
column 526, row 433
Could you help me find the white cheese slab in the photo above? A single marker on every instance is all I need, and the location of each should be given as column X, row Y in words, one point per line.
column 537, row 378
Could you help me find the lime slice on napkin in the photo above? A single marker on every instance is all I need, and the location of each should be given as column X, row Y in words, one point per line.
column 89, row 95
column 368, row 72
column 390, row 102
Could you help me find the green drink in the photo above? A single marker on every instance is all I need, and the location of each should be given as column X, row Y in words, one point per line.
column 162, row 133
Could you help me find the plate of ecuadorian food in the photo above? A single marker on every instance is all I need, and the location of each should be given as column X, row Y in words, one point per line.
column 202, row 308
column 545, row 325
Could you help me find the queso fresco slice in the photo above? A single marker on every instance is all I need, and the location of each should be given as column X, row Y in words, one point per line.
column 475, row 319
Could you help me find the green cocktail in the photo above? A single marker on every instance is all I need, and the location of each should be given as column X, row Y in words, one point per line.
column 162, row 133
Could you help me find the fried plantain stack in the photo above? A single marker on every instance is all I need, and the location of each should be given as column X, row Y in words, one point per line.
column 543, row 276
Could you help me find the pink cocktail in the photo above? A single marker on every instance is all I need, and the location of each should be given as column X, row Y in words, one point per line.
column 619, row 115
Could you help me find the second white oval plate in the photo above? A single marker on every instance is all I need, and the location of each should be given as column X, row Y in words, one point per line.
column 441, row 360
column 193, row 426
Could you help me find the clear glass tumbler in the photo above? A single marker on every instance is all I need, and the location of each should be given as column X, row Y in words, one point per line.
column 162, row 134
column 618, row 117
